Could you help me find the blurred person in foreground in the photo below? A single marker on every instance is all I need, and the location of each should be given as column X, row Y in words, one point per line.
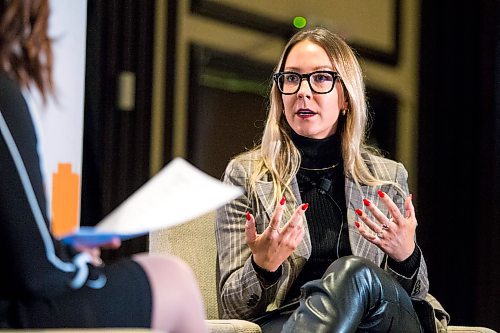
column 43, row 282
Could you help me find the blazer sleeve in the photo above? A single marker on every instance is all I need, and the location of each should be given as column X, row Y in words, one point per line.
column 242, row 295
column 418, row 284
column 25, row 246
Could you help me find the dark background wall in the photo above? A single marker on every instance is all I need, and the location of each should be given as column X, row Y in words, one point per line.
column 116, row 148
column 459, row 156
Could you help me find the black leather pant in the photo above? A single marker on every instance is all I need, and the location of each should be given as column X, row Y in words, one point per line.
column 354, row 295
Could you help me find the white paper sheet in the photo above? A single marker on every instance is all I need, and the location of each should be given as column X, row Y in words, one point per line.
column 177, row 194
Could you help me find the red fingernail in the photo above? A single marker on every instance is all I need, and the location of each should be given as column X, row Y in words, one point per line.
column 357, row 224
column 304, row 206
column 366, row 202
column 248, row 216
column 380, row 193
column 282, row 201
column 359, row 212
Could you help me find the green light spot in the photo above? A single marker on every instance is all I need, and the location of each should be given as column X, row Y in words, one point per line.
column 299, row 22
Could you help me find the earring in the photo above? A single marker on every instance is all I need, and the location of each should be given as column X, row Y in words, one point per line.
column 344, row 111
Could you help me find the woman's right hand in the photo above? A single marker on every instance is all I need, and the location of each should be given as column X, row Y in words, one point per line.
column 271, row 248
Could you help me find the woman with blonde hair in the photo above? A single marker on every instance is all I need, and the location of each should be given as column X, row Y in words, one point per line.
column 323, row 239
column 43, row 282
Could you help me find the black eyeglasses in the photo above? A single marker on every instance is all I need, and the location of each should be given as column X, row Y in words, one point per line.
column 320, row 82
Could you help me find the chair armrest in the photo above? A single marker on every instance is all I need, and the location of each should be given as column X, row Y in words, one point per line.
column 81, row 330
column 232, row 326
column 469, row 329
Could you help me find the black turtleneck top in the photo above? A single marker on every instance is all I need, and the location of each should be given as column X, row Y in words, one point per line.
column 321, row 182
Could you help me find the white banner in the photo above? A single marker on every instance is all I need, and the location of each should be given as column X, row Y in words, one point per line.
column 60, row 121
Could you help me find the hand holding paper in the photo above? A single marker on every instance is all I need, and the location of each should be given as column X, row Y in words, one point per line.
column 178, row 193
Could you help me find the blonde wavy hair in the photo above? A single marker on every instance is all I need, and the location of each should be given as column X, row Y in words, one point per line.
column 25, row 48
column 279, row 157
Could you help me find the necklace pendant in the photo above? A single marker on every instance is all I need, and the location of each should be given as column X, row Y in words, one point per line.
column 320, row 169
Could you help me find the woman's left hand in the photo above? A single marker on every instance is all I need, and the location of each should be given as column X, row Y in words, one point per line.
column 95, row 252
column 396, row 235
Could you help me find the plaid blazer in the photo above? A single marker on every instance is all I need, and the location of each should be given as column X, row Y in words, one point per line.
column 242, row 295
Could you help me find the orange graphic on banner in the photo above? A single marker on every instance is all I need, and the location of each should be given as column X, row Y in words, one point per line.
column 65, row 200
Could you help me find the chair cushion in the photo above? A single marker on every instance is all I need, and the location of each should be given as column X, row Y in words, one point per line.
column 232, row 326
column 194, row 242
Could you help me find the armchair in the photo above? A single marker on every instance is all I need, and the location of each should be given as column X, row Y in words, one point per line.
column 194, row 242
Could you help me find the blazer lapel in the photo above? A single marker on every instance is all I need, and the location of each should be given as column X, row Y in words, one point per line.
column 304, row 248
column 265, row 194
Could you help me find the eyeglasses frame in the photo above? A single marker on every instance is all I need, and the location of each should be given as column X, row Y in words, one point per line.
column 306, row 76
